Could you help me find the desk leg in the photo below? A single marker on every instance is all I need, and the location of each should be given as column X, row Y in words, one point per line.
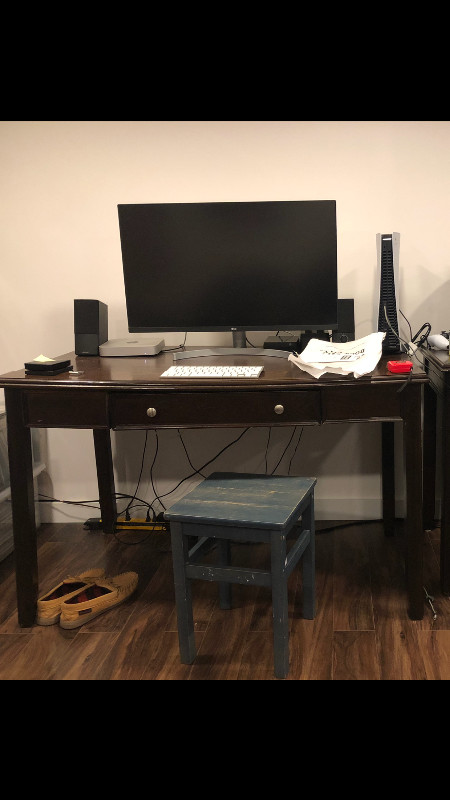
column 429, row 457
column 23, row 511
column 445, row 499
column 412, row 438
column 388, row 476
column 105, row 479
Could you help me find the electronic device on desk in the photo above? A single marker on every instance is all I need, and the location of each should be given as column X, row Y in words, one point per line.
column 47, row 366
column 230, row 266
column 438, row 341
column 346, row 321
column 399, row 366
column 388, row 248
column 345, row 331
column 282, row 342
column 132, row 346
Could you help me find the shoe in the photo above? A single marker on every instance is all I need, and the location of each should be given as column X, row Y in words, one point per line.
column 49, row 605
column 95, row 599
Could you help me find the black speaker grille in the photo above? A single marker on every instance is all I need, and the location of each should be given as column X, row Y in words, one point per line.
column 86, row 316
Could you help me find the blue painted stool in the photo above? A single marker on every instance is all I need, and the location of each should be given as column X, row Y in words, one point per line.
column 244, row 508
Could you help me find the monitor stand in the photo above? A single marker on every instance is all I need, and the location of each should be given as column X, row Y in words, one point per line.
column 239, row 349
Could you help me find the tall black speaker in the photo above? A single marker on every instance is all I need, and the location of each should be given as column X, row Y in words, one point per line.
column 388, row 247
column 346, row 322
column 91, row 326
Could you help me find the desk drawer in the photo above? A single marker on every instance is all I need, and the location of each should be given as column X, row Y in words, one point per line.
column 362, row 403
column 61, row 409
column 198, row 409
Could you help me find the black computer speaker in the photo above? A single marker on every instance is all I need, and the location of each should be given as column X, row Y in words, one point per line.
column 346, row 322
column 91, row 326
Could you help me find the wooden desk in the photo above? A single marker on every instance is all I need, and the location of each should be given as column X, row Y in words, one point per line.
column 127, row 393
column 438, row 423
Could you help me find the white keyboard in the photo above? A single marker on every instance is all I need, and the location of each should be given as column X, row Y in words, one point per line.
column 212, row 372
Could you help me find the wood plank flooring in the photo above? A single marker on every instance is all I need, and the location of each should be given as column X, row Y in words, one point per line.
column 361, row 631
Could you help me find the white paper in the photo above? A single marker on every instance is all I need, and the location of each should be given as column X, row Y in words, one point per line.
column 340, row 358
column 43, row 358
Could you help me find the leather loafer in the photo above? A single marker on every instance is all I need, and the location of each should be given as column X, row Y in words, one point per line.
column 49, row 605
column 95, row 599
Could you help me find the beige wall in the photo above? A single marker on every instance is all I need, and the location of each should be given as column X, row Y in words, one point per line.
column 60, row 185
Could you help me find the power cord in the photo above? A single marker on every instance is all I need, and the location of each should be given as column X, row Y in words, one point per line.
column 198, row 471
column 419, row 338
column 177, row 347
column 417, row 341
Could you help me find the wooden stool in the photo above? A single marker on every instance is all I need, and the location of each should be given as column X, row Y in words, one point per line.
column 244, row 508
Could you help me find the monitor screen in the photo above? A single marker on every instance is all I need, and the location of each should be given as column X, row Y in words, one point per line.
column 230, row 266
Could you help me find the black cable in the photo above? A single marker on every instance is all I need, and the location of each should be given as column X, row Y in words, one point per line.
column 178, row 346
column 295, row 449
column 426, row 326
column 267, row 447
column 424, row 338
column 151, row 474
column 46, row 498
column 127, row 515
column 407, row 322
column 43, row 498
column 414, row 339
column 410, row 352
column 405, row 382
column 347, row 524
column 284, row 451
column 403, row 341
column 187, row 454
column 140, row 500
column 201, row 468
column 196, row 472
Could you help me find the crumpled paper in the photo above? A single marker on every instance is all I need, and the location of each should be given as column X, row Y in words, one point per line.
column 340, row 358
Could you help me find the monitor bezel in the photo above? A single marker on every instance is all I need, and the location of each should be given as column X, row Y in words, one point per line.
column 266, row 326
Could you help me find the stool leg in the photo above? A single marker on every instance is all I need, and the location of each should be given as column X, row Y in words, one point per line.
column 279, row 605
column 183, row 593
column 309, row 565
column 224, row 557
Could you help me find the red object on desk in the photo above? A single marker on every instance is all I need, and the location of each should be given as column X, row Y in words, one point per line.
column 399, row 366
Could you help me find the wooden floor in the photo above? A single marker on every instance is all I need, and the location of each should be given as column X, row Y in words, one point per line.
column 361, row 631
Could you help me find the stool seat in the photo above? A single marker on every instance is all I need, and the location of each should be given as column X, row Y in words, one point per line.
column 233, row 499
column 244, row 507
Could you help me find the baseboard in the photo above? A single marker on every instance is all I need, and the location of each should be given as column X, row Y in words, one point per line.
column 325, row 508
column 354, row 509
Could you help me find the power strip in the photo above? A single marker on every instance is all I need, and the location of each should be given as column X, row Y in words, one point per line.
column 122, row 524
column 133, row 524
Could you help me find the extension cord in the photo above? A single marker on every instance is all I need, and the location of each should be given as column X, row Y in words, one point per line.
column 122, row 524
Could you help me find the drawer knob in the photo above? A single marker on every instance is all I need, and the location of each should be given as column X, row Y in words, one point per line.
column 151, row 412
column 279, row 409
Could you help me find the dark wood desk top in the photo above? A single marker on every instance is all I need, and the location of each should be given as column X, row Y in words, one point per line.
column 144, row 373
column 440, row 358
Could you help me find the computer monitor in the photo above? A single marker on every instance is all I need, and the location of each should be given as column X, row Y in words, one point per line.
column 230, row 266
